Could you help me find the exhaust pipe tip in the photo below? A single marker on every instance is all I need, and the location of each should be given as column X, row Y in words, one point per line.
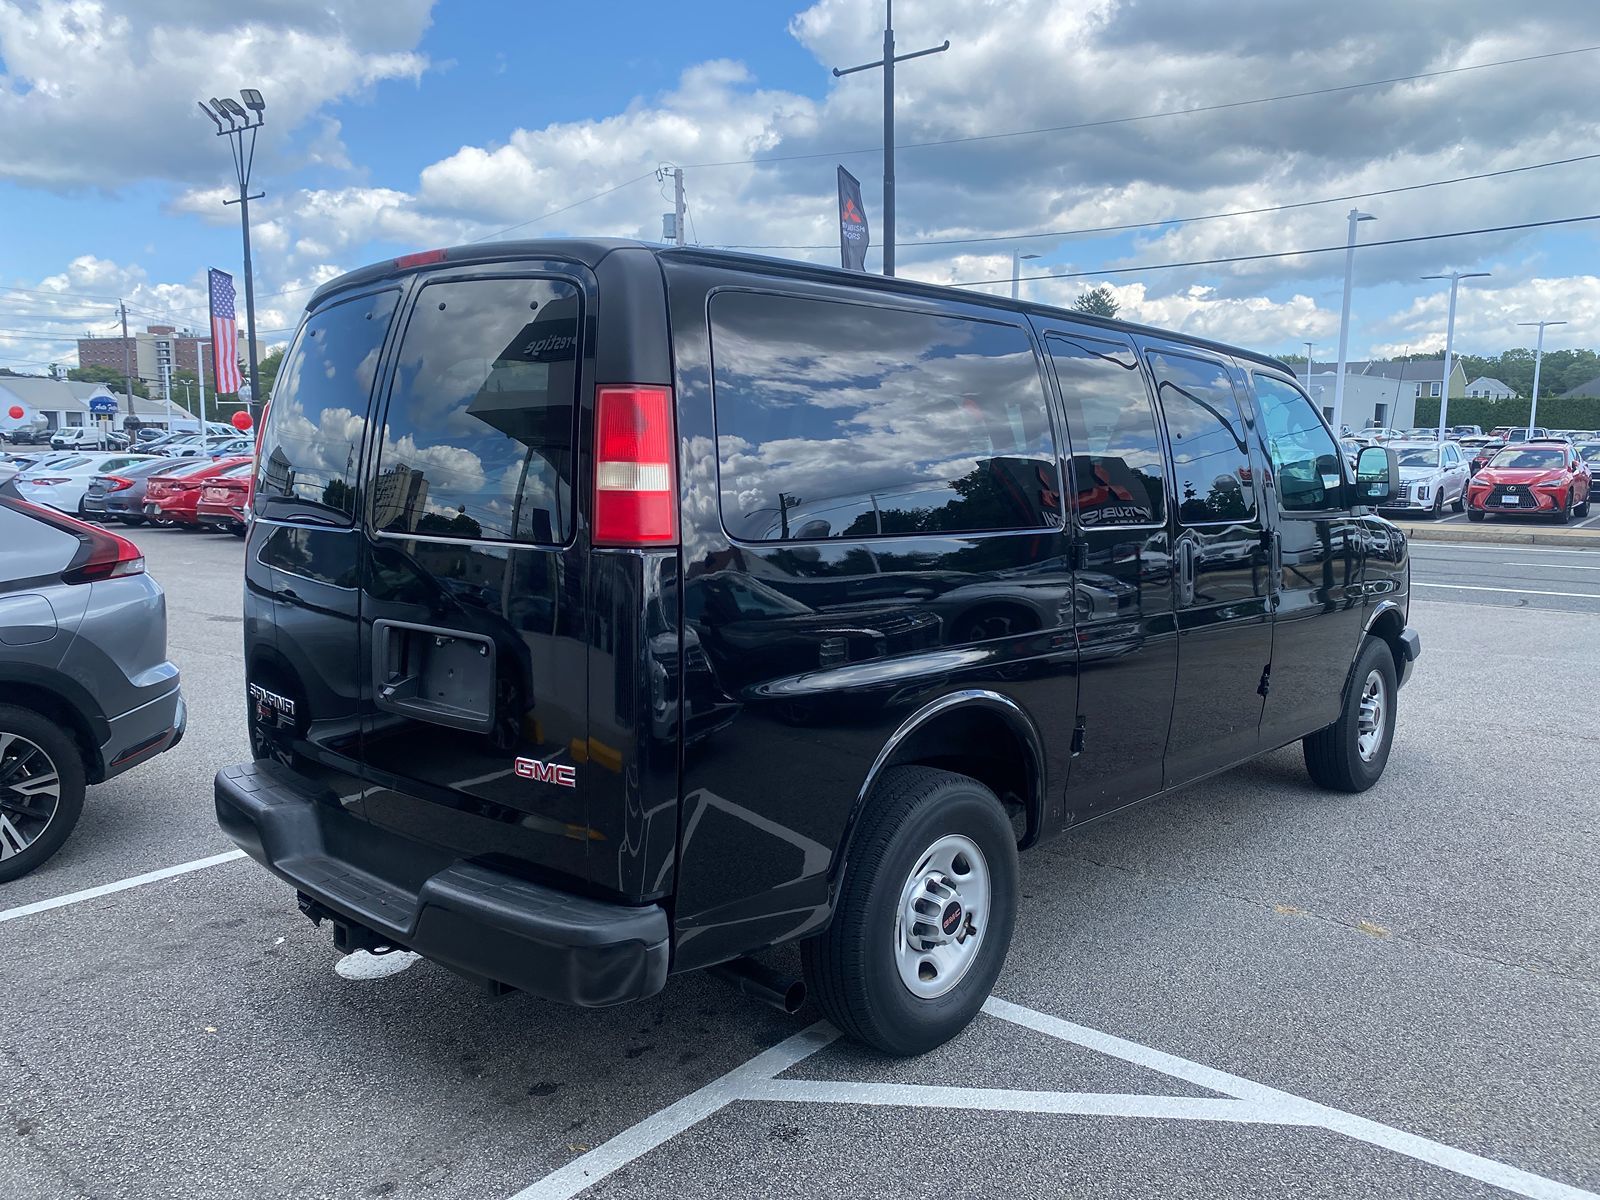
column 783, row 992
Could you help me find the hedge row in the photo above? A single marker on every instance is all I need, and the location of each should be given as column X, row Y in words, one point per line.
column 1578, row 412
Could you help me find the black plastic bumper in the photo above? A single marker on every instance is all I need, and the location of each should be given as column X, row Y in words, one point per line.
column 1410, row 651
column 479, row 922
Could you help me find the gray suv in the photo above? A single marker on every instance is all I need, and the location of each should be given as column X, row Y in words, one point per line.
column 86, row 690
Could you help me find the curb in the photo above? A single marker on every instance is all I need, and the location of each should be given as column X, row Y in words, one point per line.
column 1506, row 535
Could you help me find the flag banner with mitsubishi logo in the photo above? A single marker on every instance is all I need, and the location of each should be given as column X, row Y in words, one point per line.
column 854, row 237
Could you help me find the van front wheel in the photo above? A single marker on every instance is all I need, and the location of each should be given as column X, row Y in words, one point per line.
column 925, row 916
column 1350, row 754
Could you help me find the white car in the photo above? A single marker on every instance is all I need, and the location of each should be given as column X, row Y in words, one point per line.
column 62, row 483
column 1431, row 475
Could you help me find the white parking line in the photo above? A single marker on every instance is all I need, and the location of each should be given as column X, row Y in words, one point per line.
column 1242, row 1102
column 121, row 885
column 1495, row 548
column 1473, row 587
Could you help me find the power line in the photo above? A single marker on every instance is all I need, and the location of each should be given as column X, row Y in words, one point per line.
column 1211, row 262
column 1171, row 112
column 1242, row 212
column 565, row 208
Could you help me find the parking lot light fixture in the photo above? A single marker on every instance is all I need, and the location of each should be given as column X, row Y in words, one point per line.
column 243, row 119
column 1455, row 278
column 1017, row 259
column 1356, row 217
column 1538, row 358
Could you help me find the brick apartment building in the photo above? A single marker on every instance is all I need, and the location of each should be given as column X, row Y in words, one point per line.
column 152, row 353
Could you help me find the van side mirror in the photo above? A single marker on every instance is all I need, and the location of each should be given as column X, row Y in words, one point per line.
column 1377, row 475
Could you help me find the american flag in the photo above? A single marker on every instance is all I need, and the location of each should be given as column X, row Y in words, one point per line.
column 224, row 334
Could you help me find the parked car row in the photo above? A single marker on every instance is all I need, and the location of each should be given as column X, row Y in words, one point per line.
column 134, row 488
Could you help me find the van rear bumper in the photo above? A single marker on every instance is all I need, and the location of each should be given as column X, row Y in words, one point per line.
column 477, row 921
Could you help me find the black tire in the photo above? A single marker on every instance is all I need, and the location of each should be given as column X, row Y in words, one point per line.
column 1475, row 514
column 1564, row 514
column 1438, row 506
column 21, row 810
column 1583, row 509
column 852, row 967
column 1333, row 755
column 1459, row 504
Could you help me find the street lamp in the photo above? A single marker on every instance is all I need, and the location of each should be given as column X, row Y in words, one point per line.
column 242, row 119
column 1538, row 357
column 1017, row 259
column 1356, row 217
column 1455, row 278
column 1310, row 350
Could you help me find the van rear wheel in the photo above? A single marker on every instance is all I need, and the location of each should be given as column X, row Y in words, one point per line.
column 925, row 916
column 1350, row 754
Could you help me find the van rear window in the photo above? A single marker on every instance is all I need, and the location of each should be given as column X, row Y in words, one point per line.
column 478, row 436
column 311, row 445
column 840, row 420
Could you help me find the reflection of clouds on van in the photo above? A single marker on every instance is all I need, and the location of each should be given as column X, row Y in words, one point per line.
column 482, row 412
column 828, row 428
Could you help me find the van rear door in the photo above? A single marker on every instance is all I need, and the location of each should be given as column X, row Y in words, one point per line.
column 473, row 628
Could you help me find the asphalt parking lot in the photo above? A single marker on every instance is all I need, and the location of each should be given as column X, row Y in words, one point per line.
column 1251, row 988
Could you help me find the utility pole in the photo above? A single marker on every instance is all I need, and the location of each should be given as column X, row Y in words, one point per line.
column 127, row 369
column 1538, row 360
column 1356, row 217
column 887, row 62
column 677, row 202
column 242, row 119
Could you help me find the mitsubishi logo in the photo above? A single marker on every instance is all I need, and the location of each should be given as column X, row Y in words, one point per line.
column 850, row 212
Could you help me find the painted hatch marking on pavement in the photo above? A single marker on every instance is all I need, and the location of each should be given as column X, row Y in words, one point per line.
column 1242, row 1102
column 120, row 885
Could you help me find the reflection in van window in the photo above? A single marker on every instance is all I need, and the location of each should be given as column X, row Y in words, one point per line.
column 478, row 437
column 1211, row 464
column 1116, row 453
column 1303, row 455
column 845, row 421
column 312, row 440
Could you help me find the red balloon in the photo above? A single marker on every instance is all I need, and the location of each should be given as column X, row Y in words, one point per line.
column 241, row 420
column 16, row 412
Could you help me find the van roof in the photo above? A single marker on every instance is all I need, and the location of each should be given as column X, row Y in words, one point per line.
column 590, row 252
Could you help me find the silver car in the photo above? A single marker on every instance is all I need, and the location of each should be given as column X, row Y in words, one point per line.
column 1432, row 474
column 86, row 689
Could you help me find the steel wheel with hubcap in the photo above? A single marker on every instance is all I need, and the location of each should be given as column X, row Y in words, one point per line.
column 924, row 914
column 41, row 790
column 1350, row 754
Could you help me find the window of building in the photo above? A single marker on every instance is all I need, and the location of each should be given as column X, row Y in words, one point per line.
column 1305, row 460
column 1433, row 389
column 849, row 421
column 1118, row 477
column 479, row 433
column 1209, row 456
column 311, row 445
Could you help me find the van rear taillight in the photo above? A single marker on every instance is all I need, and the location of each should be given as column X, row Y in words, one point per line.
column 635, row 495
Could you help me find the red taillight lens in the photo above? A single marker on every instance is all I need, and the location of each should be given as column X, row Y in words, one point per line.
column 635, row 495
column 47, row 479
column 101, row 554
column 420, row 259
column 116, row 483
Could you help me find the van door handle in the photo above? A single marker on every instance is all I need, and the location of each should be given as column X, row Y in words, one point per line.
column 1186, row 571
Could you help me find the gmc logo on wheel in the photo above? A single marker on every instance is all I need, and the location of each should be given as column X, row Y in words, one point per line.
column 559, row 774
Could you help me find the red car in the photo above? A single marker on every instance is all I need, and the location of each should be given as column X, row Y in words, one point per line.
column 224, row 498
column 172, row 499
column 1542, row 478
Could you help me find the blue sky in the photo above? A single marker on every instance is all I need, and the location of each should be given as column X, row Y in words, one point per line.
column 413, row 123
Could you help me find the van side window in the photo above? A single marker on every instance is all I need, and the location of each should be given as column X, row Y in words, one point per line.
column 840, row 420
column 1117, row 471
column 478, row 435
column 1209, row 456
column 311, row 446
column 1304, row 457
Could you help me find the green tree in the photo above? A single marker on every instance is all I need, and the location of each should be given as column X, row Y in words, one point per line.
column 111, row 377
column 268, row 370
column 1100, row 302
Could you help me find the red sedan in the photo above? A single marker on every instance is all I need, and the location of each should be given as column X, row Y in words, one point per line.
column 173, row 499
column 224, row 497
column 1542, row 478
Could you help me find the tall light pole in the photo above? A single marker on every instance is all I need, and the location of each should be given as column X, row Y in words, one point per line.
column 887, row 62
column 240, row 121
column 1356, row 217
column 1017, row 259
column 1538, row 358
column 1455, row 278
column 1310, row 349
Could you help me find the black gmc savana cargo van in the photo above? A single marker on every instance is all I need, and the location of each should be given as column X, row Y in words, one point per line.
column 614, row 611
